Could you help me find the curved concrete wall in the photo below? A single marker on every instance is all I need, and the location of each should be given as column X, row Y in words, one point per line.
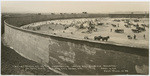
column 54, row 51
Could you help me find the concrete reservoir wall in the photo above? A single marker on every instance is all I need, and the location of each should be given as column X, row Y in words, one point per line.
column 73, row 56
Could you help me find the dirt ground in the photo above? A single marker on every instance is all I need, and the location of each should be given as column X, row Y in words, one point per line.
column 57, row 27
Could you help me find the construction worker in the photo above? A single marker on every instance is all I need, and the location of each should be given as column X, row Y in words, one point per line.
column 144, row 36
column 134, row 36
column 110, row 30
column 118, row 24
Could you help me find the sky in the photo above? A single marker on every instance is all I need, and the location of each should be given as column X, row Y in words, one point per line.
column 72, row 7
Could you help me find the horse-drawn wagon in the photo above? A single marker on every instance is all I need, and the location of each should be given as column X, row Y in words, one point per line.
column 113, row 25
column 119, row 31
column 101, row 38
column 141, row 28
column 127, row 26
column 136, row 30
column 136, row 20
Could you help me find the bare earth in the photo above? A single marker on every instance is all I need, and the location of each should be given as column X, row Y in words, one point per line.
column 57, row 27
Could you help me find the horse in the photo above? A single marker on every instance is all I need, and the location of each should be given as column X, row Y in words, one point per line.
column 119, row 31
column 136, row 30
column 113, row 25
column 97, row 38
column 86, row 37
column 144, row 25
column 127, row 26
column 129, row 37
column 54, row 33
column 66, row 28
column 105, row 38
column 141, row 28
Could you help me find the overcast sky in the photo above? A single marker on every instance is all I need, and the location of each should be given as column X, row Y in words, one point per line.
column 71, row 7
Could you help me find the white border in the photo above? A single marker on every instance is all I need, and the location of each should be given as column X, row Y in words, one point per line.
column 76, row 0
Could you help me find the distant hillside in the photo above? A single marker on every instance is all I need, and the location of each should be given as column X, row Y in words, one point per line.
column 129, row 12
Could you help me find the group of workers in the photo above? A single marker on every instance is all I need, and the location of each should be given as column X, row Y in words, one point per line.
column 134, row 36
